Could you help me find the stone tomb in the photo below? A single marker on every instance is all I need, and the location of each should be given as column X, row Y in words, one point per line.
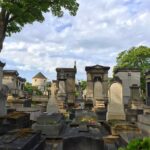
column 24, row 139
column 148, row 87
column 97, row 85
column 66, row 82
column 50, row 125
column 128, row 77
column 115, row 105
column 52, row 103
column 2, row 93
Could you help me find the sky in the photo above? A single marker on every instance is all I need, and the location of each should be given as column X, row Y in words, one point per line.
column 96, row 35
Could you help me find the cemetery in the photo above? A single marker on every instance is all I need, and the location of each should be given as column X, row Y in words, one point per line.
column 110, row 115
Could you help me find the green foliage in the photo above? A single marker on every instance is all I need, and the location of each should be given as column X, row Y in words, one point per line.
column 138, row 144
column 83, row 84
column 30, row 89
column 136, row 57
column 14, row 14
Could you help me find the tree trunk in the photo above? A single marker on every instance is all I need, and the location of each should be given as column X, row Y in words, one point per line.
column 2, row 34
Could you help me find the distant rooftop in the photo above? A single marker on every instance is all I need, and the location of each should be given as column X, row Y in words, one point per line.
column 39, row 75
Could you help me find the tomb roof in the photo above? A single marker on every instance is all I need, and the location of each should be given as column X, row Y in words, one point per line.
column 87, row 68
column 126, row 70
column 10, row 72
column 21, row 79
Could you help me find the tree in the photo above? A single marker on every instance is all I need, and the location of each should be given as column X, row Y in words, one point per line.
column 30, row 89
column 83, row 85
column 14, row 14
column 136, row 57
column 138, row 144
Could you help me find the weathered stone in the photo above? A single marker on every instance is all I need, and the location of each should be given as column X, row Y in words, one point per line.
column 52, row 105
column 129, row 77
column 115, row 106
column 50, row 125
column 21, row 140
column 97, row 84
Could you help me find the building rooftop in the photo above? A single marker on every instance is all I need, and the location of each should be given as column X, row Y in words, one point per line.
column 10, row 72
column 40, row 76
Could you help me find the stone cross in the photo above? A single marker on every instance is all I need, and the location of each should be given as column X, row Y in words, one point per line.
column 53, row 90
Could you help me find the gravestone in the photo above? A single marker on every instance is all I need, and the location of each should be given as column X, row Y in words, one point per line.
column 98, row 93
column 115, row 105
column 52, row 104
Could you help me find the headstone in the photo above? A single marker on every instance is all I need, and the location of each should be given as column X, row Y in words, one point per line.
column 98, row 91
column 115, row 106
column 52, row 105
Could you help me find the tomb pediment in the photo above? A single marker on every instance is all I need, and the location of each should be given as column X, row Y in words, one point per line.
column 97, row 67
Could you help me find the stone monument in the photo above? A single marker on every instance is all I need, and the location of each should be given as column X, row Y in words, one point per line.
column 115, row 105
column 128, row 77
column 66, row 81
column 3, row 96
column 97, row 84
column 52, row 102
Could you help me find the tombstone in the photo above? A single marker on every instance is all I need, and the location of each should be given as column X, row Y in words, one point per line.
column 52, row 104
column 98, row 93
column 115, row 105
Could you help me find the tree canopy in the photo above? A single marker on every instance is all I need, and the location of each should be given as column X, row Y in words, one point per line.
column 14, row 14
column 136, row 57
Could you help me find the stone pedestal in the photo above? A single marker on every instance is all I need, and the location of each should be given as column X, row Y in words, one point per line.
column 115, row 105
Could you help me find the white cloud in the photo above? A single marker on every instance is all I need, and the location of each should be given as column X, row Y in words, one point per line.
column 96, row 35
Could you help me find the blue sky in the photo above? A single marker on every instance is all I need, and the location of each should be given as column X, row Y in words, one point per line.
column 100, row 30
